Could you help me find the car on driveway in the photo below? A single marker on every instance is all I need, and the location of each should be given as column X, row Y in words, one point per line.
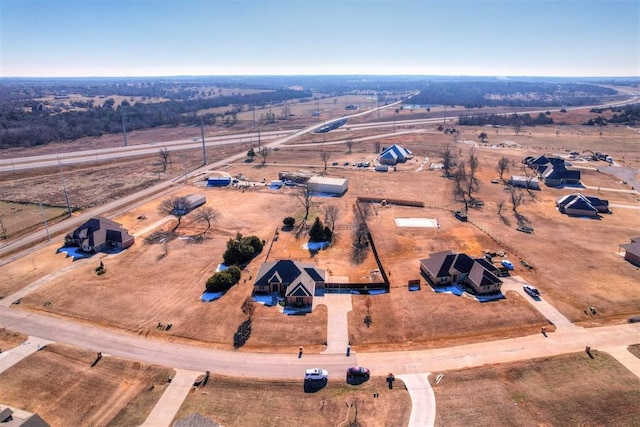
column 316, row 374
column 507, row 264
column 357, row 372
column 531, row 291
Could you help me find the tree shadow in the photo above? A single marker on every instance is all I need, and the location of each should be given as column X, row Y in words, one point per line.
column 242, row 335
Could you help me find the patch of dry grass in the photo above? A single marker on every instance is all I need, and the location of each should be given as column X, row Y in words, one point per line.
column 59, row 384
column 246, row 403
column 570, row 389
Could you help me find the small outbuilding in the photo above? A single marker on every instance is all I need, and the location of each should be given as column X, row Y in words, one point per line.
column 320, row 184
column 194, row 201
column 632, row 251
column 530, row 182
column 218, row 181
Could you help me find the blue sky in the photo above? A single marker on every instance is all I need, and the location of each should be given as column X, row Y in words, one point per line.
column 68, row 38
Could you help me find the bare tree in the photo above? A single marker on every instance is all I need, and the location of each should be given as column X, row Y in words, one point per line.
column 331, row 214
column 500, row 206
column 503, row 166
column 349, row 144
column 264, row 153
column 460, row 186
column 177, row 206
column 447, row 160
column 516, row 199
column 483, row 136
column 325, row 158
column 165, row 158
column 473, row 183
column 208, row 215
column 376, row 147
column 517, row 126
column 248, row 307
column 305, row 198
column 3, row 231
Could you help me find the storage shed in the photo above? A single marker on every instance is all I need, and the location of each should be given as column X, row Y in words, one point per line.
column 194, row 201
column 218, row 181
column 319, row 184
column 525, row 182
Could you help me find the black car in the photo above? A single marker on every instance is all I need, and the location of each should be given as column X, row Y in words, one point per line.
column 357, row 372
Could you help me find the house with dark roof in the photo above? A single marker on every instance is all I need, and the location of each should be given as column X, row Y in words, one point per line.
column 12, row 417
column 553, row 171
column 296, row 281
column 98, row 234
column 444, row 268
column 578, row 205
column 632, row 251
column 394, row 154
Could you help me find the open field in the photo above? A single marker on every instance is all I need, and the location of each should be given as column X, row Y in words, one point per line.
column 59, row 384
column 235, row 402
column 605, row 281
column 411, row 319
column 19, row 218
column 570, row 389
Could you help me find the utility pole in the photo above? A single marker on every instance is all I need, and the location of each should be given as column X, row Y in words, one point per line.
column 64, row 187
column 259, row 141
column 204, row 147
column 124, row 131
column 444, row 119
column 44, row 219
column 253, row 109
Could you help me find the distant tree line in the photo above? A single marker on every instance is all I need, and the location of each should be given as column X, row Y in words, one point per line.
column 26, row 123
column 510, row 120
column 477, row 94
column 629, row 114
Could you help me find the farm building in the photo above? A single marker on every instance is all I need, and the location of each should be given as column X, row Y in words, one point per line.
column 632, row 251
column 579, row 205
column 98, row 234
column 319, row 184
column 394, row 154
column 297, row 281
column 525, row 182
column 218, row 181
column 443, row 268
column 192, row 201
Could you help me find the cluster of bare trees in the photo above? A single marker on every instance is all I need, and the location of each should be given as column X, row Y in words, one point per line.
column 466, row 182
column 178, row 206
column 362, row 212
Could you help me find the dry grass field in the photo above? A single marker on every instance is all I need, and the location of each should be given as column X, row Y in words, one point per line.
column 570, row 389
column 59, row 384
column 10, row 339
column 235, row 402
column 591, row 271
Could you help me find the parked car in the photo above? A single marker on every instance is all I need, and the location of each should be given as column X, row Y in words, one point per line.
column 357, row 372
column 315, row 374
column 507, row 264
column 334, row 164
column 462, row 216
column 531, row 291
column 345, row 164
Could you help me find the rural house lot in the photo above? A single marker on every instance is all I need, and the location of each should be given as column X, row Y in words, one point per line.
column 576, row 265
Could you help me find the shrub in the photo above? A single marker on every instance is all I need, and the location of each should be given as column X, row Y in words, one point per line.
column 242, row 249
column 223, row 280
column 289, row 221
